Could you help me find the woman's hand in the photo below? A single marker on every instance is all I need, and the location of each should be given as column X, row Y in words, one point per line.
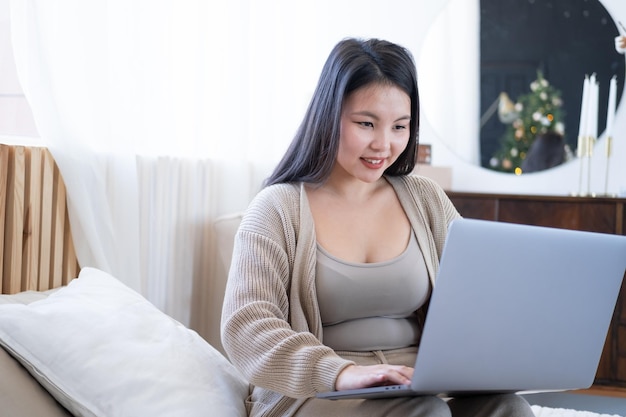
column 355, row 376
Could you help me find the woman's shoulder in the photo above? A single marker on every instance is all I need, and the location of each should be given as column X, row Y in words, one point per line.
column 277, row 195
column 273, row 206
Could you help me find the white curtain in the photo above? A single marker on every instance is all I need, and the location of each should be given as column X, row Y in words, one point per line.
column 114, row 86
column 450, row 66
column 165, row 114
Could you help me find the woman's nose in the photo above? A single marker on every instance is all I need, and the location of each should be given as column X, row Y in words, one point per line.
column 382, row 141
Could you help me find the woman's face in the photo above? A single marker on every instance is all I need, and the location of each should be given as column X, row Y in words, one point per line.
column 375, row 129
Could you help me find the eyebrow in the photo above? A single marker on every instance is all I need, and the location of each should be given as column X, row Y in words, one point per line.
column 373, row 116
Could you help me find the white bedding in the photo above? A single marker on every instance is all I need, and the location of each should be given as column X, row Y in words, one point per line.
column 562, row 412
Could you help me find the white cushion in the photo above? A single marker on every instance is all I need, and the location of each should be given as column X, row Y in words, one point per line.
column 25, row 297
column 101, row 349
column 225, row 230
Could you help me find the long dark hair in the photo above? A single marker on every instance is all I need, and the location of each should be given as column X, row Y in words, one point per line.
column 352, row 64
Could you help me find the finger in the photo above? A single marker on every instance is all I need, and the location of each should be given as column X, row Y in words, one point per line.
column 405, row 371
column 398, row 376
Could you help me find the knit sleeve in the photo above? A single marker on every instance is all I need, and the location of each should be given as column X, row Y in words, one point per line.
column 257, row 330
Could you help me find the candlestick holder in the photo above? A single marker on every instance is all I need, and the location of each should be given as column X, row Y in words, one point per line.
column 609, row 150
column 585, row 154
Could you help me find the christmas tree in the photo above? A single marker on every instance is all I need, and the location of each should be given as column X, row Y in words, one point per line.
column 537, row 112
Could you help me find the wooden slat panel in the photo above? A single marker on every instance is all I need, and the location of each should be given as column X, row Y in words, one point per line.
column 47, row 195
column 70, row 264
column 14, row 221
column 64, row 264
column 32, row 216
column 4, row 172
column 58, row 228
column 36, row 248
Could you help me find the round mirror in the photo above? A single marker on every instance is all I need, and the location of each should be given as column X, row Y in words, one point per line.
column 504, row 78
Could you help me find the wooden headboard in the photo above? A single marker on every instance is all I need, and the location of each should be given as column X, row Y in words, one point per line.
column 36, row 248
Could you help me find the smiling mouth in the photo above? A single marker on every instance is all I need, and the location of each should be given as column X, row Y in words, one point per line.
column 373, row 161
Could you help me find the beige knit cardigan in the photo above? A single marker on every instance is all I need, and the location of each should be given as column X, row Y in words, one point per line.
column 271, row 325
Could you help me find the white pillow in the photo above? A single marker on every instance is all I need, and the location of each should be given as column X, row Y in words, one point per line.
column 101, row 349
column 25, row 297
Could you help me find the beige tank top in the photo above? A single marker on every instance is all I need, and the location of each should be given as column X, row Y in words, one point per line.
column 371, row 306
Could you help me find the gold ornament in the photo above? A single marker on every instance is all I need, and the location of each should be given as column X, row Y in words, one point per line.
column 506, row 109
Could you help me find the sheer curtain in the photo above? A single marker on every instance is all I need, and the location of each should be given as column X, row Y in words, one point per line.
column 114, row 87
column 165, row 114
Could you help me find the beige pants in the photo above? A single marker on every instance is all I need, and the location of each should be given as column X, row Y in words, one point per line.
column 508, row 405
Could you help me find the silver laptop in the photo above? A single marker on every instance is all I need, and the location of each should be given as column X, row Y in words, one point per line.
column 515, row 308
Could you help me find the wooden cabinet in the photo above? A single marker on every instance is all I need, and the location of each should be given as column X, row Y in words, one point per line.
column 604, row 215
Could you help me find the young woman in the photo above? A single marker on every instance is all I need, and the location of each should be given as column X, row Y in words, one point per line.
column 336, row 257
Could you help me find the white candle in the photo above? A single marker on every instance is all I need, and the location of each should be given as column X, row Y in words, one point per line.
column 592, row 114
column 610, row 110
column 582, row 127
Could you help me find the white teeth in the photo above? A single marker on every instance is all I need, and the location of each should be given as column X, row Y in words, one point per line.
column 373, row 161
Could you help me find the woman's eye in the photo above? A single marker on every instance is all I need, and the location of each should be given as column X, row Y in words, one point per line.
column 366, row 124
column 400, row 127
